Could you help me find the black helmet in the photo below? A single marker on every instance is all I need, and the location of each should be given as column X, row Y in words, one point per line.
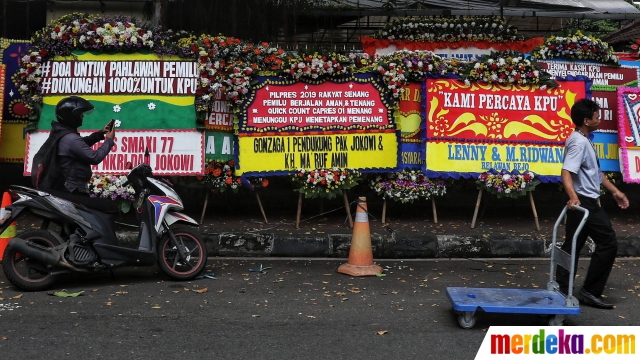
column 70, row 110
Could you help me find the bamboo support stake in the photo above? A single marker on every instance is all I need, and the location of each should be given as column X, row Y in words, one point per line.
column 535, row 213
column 384, row 211
column 475, row 213
column 433, row 207
column 261, row 208
column 204, row 208
column 346, row 206
column 299, row 210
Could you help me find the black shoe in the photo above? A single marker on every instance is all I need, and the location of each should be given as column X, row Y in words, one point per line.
column 595, row 301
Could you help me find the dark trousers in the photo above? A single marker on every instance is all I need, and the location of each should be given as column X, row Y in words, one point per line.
column 599, row 228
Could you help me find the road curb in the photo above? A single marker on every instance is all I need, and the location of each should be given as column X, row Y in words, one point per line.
column 392, row 246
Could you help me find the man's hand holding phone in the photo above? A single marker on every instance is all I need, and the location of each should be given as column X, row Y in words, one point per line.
column 110, row 129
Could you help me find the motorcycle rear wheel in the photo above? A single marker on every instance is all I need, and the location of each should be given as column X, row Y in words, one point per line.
column 29, row 274
column 195, row 255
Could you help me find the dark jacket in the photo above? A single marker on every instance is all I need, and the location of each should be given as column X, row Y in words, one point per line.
column 75, row 156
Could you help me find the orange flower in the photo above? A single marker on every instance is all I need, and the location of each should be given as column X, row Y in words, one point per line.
column 257, row 51
column 217, row 172
column 199, row 177
column 265, row 183
column 265, row 44
column 280, row 51
column 228, row 181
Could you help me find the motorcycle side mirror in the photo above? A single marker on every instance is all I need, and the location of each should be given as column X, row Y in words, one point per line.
column 128, row 165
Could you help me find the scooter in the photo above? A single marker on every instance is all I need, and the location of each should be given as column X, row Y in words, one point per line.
column 87, row 240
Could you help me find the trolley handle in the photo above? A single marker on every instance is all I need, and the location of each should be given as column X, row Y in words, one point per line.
column 559, row 257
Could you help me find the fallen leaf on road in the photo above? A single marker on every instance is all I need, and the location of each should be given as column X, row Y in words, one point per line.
column 382, row 332
column 66, row 294
column 156, row 307
column 5, row 338
column 311, row 316
column 94, row 290
column 201, row 291
column 108, row 303
column 17, row 296
column 621, row 317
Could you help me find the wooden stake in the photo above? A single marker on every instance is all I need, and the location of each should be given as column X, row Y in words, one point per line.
column 299, row 210
column 433, row 207
column 346, row 206
column 384, row 211
column 475, row 213
column 204, row 208
column 261, row 208
column 535, row 213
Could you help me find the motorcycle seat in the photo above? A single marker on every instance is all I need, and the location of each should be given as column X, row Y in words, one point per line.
column 100, row 204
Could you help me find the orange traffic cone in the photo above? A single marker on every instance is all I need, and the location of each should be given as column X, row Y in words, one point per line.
column 10, row 232
column 360, row 254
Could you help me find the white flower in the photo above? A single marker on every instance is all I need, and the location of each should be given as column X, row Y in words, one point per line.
column 151, row 106
column 116, row 108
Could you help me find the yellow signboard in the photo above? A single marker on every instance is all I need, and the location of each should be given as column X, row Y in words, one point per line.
column 292, row 152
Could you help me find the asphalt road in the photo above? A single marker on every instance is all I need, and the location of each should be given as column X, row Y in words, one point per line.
column 299, row 308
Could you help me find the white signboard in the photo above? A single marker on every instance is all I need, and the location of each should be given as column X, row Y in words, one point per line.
column 171, row 152
column 632, row 173
column 467, row 54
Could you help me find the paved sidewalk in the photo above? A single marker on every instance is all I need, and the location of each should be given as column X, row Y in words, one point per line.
column 234, row 226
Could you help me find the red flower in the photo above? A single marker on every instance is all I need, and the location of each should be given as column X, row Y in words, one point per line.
column 232, row 163
column 43, row 52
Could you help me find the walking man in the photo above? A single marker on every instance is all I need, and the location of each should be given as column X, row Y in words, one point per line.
column 582, row 177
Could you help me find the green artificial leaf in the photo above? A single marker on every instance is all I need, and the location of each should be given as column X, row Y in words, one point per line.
column 66, row 294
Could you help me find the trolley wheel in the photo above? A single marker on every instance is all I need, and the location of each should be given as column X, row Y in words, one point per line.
column 556, row 320
column 466, row 320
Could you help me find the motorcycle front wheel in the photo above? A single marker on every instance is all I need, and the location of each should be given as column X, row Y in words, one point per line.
column 194, row 249
column 26, row 273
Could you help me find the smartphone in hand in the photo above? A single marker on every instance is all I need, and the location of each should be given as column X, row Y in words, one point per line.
column 111, row 124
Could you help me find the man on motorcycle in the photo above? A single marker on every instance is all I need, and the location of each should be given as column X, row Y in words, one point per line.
column 75, row 155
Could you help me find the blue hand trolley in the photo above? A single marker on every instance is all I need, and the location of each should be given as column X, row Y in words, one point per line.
column 552, row 302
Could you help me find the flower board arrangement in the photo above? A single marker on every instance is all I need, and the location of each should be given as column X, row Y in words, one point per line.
column 507, row 67
column 88, row 33
column 576, row 47
column 507, row 184
column 111, row 187
column 220, row 176
column 325, row 183
column 453, row 29
column 407, row 186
